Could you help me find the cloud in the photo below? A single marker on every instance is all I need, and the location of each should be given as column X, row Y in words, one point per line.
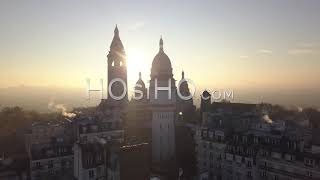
column 308, row 44
column 137, row 25
column 244, row 57
column 265, row 51
column 305, row 48
column 300, row 51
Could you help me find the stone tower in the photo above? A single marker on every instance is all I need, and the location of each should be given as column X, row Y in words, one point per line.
column 117, row 69
column 163, row 108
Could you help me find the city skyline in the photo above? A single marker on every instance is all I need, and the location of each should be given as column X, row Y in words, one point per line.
column 241, row 46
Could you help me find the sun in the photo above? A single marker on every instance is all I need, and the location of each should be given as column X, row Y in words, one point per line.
column 136, row 62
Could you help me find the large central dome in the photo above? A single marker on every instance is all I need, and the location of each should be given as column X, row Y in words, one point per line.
column 161, row 65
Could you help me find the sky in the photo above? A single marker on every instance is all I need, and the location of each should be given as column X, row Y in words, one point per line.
column 248, row 44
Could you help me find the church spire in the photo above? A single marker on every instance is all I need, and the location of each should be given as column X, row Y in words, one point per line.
column 182, row 74
column 116, row 44
column 116, row 31
column 139, row 75
column 117, row 66
column 161, row 44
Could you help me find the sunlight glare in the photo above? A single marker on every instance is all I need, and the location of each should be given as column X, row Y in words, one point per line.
column 136, row 62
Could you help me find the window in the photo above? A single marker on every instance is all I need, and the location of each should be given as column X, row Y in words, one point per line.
column 219, row 138
column 204, row 164
column 211, row 134
column 99, row 157
column 248, row 163
column 265, row 164
column 244, row 139
column 309, row 162
column 109, row 125
column 205, row 155
column 211, row 156
column 91, row 174
column 249, row 174
column 309, row 173
column 211, row 174
column 63, row 162
column 264, row 153
column 204, row 145
column 205, row 133
column 99, row 171
column 51, row 172
column 116, row 124
column 50, row 164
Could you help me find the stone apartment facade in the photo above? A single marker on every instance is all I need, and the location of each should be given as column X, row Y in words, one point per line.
column 253, row 149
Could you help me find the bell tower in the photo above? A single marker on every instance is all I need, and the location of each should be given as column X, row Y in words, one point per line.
column 117, row 69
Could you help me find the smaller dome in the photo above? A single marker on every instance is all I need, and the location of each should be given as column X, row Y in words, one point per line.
column 206, row 94
column 184, row 88
column 140, row 82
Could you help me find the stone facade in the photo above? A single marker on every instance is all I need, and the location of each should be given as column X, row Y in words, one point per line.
column 234, row 143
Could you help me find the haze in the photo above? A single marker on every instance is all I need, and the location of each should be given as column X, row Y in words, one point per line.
column 268, row 49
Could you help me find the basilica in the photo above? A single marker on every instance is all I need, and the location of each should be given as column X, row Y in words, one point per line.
column 152, row 120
